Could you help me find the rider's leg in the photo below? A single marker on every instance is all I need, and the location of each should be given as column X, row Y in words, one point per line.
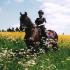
column 43, row 33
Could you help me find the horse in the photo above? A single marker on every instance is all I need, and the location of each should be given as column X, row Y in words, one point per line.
column 32, row 37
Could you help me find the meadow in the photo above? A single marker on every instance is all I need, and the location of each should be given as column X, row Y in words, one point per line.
column 52, row 60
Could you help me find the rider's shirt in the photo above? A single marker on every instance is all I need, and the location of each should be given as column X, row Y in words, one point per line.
column 40, row 21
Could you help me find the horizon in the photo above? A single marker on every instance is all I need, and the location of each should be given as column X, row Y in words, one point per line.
column 57, row 13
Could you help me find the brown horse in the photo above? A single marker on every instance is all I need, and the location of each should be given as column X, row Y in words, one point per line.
column 32, row 37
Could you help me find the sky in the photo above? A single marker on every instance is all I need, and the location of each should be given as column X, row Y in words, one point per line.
column 56, row 12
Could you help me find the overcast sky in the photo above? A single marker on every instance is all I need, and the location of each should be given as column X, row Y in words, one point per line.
column 57, row 13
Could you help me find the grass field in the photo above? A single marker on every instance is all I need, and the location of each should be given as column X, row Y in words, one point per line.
column 52, row 60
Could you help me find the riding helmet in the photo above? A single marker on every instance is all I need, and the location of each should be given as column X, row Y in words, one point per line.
column 40, row 12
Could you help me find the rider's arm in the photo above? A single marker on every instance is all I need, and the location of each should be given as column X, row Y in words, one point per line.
column 45, row 20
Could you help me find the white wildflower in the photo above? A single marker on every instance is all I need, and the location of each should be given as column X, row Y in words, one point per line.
column 62, row 61
column 26, row 68
column 29, row 63
column 48, row 59
column 52, row 66
column 68, row 58
column 41, row 66
column 56, row 69
column 20, row 63
column 4, row 51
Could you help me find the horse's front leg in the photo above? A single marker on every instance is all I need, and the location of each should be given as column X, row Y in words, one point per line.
column 36, row 46
column 27, row 43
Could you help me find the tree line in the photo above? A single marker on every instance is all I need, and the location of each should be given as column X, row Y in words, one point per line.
column 17, row 29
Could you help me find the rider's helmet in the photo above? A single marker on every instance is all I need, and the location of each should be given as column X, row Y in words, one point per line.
column 40, row 12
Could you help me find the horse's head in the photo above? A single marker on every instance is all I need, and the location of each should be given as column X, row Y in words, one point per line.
column 25, row 20
column 23, row 16
column 22, row 20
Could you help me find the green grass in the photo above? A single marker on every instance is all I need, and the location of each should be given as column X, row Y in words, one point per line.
column 12, row 44
column 52, row 60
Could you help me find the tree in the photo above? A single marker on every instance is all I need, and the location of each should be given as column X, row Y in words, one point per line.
column 17, row 29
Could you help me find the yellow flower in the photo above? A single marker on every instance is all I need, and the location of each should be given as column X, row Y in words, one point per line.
column 12, row 35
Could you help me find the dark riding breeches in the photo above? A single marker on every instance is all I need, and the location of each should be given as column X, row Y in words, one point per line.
column 43, row 33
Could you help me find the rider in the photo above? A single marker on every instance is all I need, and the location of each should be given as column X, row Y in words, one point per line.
column 39, row 22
